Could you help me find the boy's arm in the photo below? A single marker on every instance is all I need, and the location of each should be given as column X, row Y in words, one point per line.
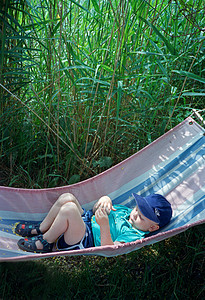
column 101, row 218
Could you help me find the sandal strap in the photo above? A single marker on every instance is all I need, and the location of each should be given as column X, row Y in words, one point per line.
column 37, row 227
column 44, row 242
column 33, row 226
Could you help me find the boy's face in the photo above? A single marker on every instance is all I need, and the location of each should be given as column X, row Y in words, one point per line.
column 139, row 221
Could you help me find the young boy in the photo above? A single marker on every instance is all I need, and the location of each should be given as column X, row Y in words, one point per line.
column 71, row 227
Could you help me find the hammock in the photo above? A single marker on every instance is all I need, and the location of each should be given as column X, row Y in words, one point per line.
column 173, row 165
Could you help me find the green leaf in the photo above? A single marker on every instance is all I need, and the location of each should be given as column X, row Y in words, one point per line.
column 96, row 6
column 76, row 67
column 4, row 139
column 193, row 94
column 190, row 75
column 95, row 80
column 171, row 49
column 106, row 68
column 76, row 3
column 103, row 162
column 74, row 179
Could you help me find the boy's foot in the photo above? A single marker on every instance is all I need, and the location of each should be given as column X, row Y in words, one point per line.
column 27, row 229
column 35, row 244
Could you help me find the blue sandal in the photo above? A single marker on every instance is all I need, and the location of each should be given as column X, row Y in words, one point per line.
column 24, row 229
column 30, row 244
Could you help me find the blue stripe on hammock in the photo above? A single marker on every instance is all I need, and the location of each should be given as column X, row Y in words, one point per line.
column 198, row 207
column 4, row 253
column 160, row 174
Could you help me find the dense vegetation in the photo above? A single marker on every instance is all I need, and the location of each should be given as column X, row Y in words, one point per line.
column 83, row 85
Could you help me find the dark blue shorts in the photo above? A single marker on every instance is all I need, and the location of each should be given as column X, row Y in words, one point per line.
column 86, row 242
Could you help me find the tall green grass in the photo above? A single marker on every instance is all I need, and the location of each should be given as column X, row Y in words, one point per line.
column 95, row 81
column 83, row 85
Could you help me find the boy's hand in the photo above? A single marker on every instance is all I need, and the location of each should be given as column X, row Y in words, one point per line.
column 101, row 217
column 105, row 203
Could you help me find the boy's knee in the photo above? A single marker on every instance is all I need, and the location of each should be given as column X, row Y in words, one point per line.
column 65, row 198
column 68, row 208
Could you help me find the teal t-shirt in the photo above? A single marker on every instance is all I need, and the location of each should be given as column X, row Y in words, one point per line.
column 121, row 229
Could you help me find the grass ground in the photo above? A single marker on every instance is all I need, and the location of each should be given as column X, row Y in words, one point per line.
column 171, row 269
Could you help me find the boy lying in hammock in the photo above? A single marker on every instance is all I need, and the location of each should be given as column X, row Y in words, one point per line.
column 71, row 227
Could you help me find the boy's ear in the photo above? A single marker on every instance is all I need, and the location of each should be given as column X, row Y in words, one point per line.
column 153, row 227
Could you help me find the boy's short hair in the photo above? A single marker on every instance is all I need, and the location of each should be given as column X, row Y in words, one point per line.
column 154, row 207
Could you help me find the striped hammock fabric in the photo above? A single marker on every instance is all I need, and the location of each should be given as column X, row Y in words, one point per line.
column 173, row 165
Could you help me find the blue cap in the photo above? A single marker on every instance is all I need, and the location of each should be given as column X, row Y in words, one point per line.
column 154, row 207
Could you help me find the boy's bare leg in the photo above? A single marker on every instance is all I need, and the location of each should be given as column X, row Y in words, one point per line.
column 62, row 200
column 67, row 221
